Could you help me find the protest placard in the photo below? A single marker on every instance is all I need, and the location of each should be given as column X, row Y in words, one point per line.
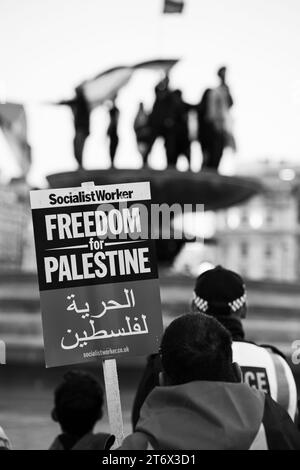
column 98, row 277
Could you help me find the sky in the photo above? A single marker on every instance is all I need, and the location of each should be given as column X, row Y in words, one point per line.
column 47, row 47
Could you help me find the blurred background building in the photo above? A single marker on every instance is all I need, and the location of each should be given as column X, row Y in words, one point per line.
column 259, row 239
column 15, row 249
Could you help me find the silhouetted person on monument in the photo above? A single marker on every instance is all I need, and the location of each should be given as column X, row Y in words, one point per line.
column 205, row 130
column 142, row 131
column 112, row 131
column 169, row 120
column 161, row 119
column 81, row 113
column 214, row 122
column 181, row 131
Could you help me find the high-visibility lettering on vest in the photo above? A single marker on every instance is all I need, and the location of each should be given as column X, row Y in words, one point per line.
column 267, row 371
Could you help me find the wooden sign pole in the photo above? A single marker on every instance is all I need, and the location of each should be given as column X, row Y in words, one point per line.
column 111, row 386
column 113, row 400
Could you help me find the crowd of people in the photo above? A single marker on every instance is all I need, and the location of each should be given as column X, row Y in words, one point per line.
column 168, row 119
column 206, row 388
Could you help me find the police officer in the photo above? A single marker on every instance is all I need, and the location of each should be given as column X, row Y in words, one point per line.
column 222, row 294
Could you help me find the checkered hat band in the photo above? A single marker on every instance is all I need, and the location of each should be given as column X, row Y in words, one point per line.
column 235, row 305
column 201, row 304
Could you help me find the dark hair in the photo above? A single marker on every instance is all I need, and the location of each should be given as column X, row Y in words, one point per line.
column 197, row 347
column 78, row 403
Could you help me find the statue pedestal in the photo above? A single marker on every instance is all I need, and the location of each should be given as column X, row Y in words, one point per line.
column 170, row 186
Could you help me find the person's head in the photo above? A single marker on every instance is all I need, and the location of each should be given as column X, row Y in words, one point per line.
column 78, row 402
column 197, row 347
column 222, row 74
column 221, row 293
